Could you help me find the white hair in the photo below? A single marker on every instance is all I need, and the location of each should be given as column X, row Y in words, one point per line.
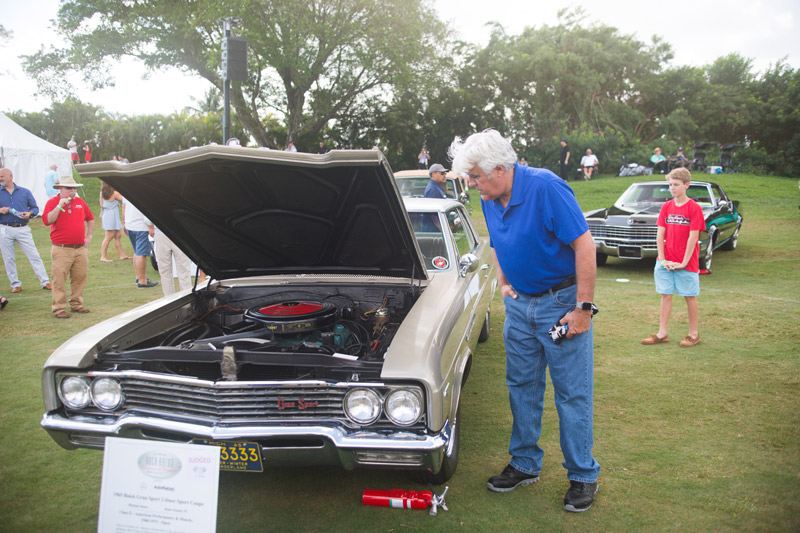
column 487, row 150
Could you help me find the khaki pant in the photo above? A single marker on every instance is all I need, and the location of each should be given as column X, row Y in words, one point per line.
column 166, row 252
column 72, row 262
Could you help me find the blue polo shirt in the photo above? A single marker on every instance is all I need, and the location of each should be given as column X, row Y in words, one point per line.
column 434, row 190
column 532, row 234
column 20, row 199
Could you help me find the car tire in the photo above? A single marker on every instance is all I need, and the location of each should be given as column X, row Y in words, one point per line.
column 484, row 334
column 731, row 243
column 601, row 259
column 705, row 260
column 450, row 462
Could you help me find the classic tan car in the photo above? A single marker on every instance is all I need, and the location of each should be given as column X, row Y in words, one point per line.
column 337, row 327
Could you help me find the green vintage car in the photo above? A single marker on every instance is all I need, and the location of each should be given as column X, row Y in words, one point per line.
column 628, row 228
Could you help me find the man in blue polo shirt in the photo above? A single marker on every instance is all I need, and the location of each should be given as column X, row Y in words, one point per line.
column 17, row 208
column 546, row 269
column 435, row 188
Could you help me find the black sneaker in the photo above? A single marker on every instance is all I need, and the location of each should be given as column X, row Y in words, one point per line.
column 146, row 285
column 580, row 496
column 510, row 479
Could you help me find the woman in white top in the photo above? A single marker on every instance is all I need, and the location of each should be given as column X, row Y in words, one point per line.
column 588, row 164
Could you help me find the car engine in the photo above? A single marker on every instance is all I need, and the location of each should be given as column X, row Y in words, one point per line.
column 242, row 333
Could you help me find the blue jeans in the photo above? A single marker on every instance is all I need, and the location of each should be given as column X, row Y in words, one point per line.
column 529, row 351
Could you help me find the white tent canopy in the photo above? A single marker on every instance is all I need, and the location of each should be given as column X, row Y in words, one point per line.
column 29, row 158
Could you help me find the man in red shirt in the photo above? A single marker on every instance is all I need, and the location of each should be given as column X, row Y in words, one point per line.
column 71, row 224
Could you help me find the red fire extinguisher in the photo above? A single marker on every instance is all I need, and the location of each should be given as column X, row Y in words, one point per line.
column 404, row 499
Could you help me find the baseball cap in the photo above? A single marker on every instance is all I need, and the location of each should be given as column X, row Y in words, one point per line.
column 436, row 167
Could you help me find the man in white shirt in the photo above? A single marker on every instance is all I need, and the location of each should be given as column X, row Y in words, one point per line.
column 137, row 227
column 588, row 164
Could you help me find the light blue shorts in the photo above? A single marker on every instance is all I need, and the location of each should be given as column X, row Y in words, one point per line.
column 682, row 282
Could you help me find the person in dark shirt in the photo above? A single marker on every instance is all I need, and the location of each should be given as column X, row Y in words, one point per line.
column 563, row 158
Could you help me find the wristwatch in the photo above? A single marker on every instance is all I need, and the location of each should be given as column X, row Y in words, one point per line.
column 587, row 306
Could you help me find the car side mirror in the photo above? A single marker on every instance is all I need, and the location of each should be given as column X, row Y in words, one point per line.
column 467, row 263
column 723, row 203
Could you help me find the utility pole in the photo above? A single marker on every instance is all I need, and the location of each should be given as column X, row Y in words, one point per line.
column 234, row 67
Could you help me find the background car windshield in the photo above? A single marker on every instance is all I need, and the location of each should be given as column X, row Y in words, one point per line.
column 656, row 193
column 649, row 194
column 415, row 187
column 428, row 231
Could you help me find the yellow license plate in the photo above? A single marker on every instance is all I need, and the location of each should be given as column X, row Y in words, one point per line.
column 236, row 456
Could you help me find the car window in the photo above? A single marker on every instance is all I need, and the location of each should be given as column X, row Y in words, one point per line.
column 415, row 186
column 464, row 239
column 412, row 186
column 718, row 193
column 700, row 194
column 451, row 189
column 645, row 194
column 427, row 230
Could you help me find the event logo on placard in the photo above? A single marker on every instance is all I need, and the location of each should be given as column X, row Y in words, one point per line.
column 159, row 465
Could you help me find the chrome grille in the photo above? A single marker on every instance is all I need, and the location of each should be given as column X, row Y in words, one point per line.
column 235, row 404
column 231, row 403
column 644, row 236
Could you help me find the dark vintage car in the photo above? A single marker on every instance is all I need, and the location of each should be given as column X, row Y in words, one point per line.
column 337, row 327
column 628, row 228
column 412, row 183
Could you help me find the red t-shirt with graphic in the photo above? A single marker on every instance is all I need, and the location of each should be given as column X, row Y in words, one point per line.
column 678, row 221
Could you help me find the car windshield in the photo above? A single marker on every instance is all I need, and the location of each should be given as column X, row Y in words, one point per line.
column 415, row 186
column 658, row 193
column 428, row 231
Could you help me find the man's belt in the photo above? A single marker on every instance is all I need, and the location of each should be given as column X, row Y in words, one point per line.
column 14, row 225
column 569, row 282
column 68, row 245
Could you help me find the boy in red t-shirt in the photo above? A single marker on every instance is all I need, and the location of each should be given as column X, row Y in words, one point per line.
column 677, row 269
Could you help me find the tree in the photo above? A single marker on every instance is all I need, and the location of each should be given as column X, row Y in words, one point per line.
column 311, row 62
column 552, row 80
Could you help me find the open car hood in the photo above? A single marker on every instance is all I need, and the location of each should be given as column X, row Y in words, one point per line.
column 241, row 212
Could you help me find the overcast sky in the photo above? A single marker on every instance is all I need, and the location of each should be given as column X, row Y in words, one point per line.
column 698, row 30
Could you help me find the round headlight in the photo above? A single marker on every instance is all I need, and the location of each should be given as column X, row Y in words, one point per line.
column 403, row 407
column 362, row 406
column 74, row 392
column 106, row 393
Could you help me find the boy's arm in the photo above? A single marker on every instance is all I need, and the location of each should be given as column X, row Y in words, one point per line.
column 660, row 242
column 694, row 236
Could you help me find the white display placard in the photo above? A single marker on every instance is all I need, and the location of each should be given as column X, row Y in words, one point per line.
column 158, row 487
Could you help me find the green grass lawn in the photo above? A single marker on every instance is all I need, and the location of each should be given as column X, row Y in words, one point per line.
column 706, row 438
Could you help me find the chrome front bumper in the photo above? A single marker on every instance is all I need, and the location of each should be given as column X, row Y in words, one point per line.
column 626, row 251
column 280, row 445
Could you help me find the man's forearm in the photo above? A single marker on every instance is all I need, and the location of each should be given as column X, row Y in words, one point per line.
column 585, row 266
